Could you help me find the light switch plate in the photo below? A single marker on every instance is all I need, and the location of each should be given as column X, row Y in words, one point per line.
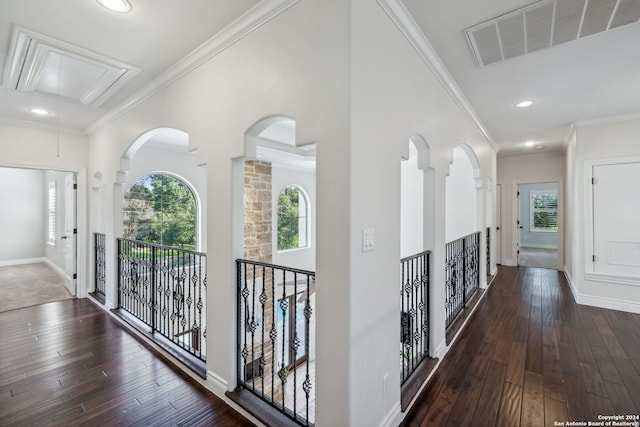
column 368, row 240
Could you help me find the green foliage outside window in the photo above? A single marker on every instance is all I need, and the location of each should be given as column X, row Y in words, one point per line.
column 160, row 209
column 544, row 211
column 289, row 219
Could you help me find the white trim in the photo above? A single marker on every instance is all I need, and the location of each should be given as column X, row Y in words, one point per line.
column 217, row 384
column 441, row 350
column 40, row 126
column 390, row 420
column 608, row 120
column 23, row 261
column 572, row 284
column 610, row 303
column 608, row 278
column 412, row 32
column 227, row 37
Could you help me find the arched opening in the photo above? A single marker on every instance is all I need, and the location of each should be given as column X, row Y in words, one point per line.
column 462, row 236
column 161, row 284
column 416, row 238
column 275, row 181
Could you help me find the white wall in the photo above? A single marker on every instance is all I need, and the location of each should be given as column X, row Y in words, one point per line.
column 597, row 143
column 530, row 168
column 52, row 149
column 302, row 258
column 461, row 197
column 23, row 215
column 411, row 205
column 529, row 238
column 182, row 164
column 358, row 90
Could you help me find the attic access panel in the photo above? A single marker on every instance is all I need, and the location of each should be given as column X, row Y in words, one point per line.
column 545, row 24
column 39, row 63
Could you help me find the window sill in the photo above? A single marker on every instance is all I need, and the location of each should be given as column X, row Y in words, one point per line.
column 284, row 251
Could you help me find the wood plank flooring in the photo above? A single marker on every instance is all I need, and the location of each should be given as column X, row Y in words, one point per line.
column 530, row 356
column 68, row 363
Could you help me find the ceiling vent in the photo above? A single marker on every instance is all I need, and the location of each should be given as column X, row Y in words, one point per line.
column 41, row 64
column 547, row 23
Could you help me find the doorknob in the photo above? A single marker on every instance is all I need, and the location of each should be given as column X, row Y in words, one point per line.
column 63, row 237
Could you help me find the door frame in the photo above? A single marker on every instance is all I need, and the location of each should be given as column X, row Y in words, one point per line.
column 83, row 283
column 515, row 209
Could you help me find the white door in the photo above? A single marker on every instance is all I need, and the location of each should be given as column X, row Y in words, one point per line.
column 70, row 233
column 499, row 224
column 616, row 209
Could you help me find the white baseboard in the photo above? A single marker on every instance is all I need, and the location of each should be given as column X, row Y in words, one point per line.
column 441, row 349
column 23, row 261
column 217, row 384
column 610, row 303
column 391, row 419
column 598, row 301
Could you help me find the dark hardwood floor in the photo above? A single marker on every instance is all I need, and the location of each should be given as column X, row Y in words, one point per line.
column 68, row 363
column 530, row 356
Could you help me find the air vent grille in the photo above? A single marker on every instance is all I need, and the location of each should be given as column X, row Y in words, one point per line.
column 545, row 24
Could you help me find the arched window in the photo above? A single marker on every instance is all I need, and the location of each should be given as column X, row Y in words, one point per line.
column 292, row 219
column 160, row 209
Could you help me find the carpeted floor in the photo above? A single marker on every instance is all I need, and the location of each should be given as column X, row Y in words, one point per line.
column 30, row 284
column 541, row 258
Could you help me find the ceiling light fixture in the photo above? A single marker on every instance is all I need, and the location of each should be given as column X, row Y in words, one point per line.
column 539, row 147
column 530, row 143
column 524, row 104
column 39, row 111
column 120, row 6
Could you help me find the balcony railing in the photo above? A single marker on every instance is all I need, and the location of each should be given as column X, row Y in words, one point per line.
column 488, row 251
column 414, row 314
column 462, row 274
column 165, row 288
column 100, row 264
column 276, row 337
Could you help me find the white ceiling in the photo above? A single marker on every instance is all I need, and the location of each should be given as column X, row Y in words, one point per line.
column 587, row 79
column 590, row 78
column 155, row 35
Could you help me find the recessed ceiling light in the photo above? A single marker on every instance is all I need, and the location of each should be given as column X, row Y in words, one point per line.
column 39, row 111
column 120, row 6
column 524, row 104
column 530, row 143
column 539, row 147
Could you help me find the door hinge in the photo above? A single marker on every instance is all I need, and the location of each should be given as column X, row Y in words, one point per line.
column 593, row 257
column 75, row 276
column 518, row 195
column 594, row 181
column 75, row 186
column 75, row 231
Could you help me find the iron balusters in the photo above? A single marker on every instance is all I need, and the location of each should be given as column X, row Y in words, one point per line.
column 414, row 314
column 165, row 288
column 462, row 274
column 275, row 337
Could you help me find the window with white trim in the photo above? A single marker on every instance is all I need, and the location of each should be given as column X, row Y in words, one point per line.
column 543, row 207
column 51, row 213
column 292, row 219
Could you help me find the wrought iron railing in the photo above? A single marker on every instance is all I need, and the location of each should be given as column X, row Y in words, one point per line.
column 462, row 274
column 276, row 337
column 165, row 288
column 100, row 263
column 488, row 251
column 414, row 314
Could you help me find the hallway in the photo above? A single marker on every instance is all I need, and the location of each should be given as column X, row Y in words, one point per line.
column 531, row 356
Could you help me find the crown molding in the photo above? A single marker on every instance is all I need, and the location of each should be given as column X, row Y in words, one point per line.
column 609, row 119
column 402, row 18
column 241, row 27
column 40, row 126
